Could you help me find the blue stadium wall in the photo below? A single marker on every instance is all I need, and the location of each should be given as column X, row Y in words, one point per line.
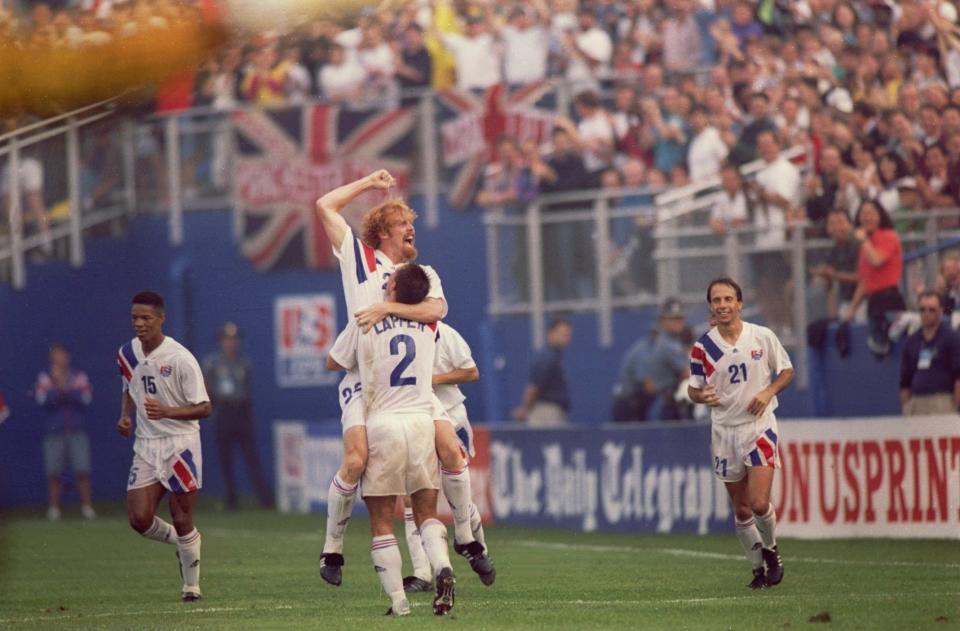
column 207, row 281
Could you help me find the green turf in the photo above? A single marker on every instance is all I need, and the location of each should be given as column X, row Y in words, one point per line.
column 260, row 571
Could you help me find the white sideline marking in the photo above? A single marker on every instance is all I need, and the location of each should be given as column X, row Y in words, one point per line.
column 766, row 596
column 680, row 552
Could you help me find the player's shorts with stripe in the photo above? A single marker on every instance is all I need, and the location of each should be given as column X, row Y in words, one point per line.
column 352, row 411
column 402, row 455
column 461, row 425
column 752, row 444
column 174, row 461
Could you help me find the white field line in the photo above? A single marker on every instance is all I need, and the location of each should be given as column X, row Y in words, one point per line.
column 718, row 556
column 765, row 596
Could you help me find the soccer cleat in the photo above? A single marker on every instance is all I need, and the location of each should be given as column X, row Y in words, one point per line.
column 87, row 511
column 400, row 609
column 191, row 594
column 330, row 564
column 416, row 584
column 759, row 580
column 443, row 602
column 774, row 563
column 480, row 562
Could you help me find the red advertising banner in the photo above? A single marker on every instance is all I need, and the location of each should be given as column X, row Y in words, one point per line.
column 895, row 477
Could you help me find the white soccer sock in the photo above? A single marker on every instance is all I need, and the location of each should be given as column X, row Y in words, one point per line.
column 456, row 488
column 418, row 556
column 767, row 525
column 389, row 565
column 434, row 537
column 749, row 538
column 189, row 548
column 340, row 499
column 476, row 525
column 161, row 531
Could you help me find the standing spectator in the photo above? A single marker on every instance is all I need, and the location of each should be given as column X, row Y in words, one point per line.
column 706, row 150
column 342, row 78
column 546, row 400
column 263, row 84
column 30, row 178
column 377, row 58
column 229, row 375
column 733, row 206
column 823, row 187
column 414, row 64
column 63, row 395
column 296, row 77
column 594, row 133
column 475, row 52
column 682, row 48
column 759, row 121
column 586, row 51
column 653, row 368
column 930, row 364
column 839, row 271
column 879, row 269
column 666, row 130
column 526, row 44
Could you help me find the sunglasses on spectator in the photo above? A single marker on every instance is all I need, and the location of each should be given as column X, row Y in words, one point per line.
column 922, row 309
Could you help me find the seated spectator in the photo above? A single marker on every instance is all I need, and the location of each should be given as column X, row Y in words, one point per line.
column 895, row 183
column 652, row 368
column 930, row 363
column 879, row 269
column 838, row 273
column 937, row 189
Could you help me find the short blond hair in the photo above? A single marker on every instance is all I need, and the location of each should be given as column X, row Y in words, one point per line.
column 378, row 219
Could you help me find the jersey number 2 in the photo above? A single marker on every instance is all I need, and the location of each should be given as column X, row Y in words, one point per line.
column 738, row 373
column 409, row 354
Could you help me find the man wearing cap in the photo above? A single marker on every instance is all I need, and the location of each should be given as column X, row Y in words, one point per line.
column 652, row 369
column 228, row 375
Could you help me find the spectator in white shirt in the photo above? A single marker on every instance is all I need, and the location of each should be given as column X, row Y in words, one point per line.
column 341, row 80
column 587, row 51
column 731, row 210
column 706, row 151
column 595, row 134
column 377, row 58
column 475, row 53
column 296, row 80
column 778, row 189
column 526, row 43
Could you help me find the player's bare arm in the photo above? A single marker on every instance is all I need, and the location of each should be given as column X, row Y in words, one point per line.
column 126, row 409
column 762, row 398
column 332, row 365
column 430, row 310
column 457, row 377
column 156, row 411
column 706, row 395
column 530, row 396
column 331, row 205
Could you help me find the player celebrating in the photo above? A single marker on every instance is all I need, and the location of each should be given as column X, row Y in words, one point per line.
column 452, row 365
column 164, row 383
column 730, row 368
column 395, row 362
column 365, row 264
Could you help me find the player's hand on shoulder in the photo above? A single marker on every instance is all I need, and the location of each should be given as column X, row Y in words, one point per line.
column 369, row 316
column 124, row 425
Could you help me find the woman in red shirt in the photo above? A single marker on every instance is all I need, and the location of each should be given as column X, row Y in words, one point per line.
column 879, row 269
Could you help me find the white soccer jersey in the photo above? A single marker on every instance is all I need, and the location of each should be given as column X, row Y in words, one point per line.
column 171, row 375
column 365, row 272
column 395, row 358
column 738, row 371
column 453, row 353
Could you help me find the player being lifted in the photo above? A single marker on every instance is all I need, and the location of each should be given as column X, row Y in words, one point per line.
column 395, row 360
column 730, row 369
column 164, row 383
column 452, row 365
column 388, row 239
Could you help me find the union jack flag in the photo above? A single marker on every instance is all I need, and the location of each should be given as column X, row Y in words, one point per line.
column 287, row 158
column 471, row 124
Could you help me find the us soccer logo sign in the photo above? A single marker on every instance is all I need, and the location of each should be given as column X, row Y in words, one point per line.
column 305, row 327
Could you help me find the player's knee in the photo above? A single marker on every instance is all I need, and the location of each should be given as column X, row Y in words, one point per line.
column 450, row 454
column 743, row 512
column 141, row 522
column 760, row 507
column 183, row 523
column 353, row 465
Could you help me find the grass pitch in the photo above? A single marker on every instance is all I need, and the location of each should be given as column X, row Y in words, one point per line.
column 260, row 571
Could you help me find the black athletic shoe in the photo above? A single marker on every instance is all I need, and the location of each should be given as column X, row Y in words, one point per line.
column 771, row 557
column 443, row 602
column 759, row 580
column 191, row 596
column 416, row 584
column 330, row 564
column 480, row 562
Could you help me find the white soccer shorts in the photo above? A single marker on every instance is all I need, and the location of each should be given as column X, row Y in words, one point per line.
column 752, row 444
column 175, row 461
column 353, row 413
column 402, row 457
